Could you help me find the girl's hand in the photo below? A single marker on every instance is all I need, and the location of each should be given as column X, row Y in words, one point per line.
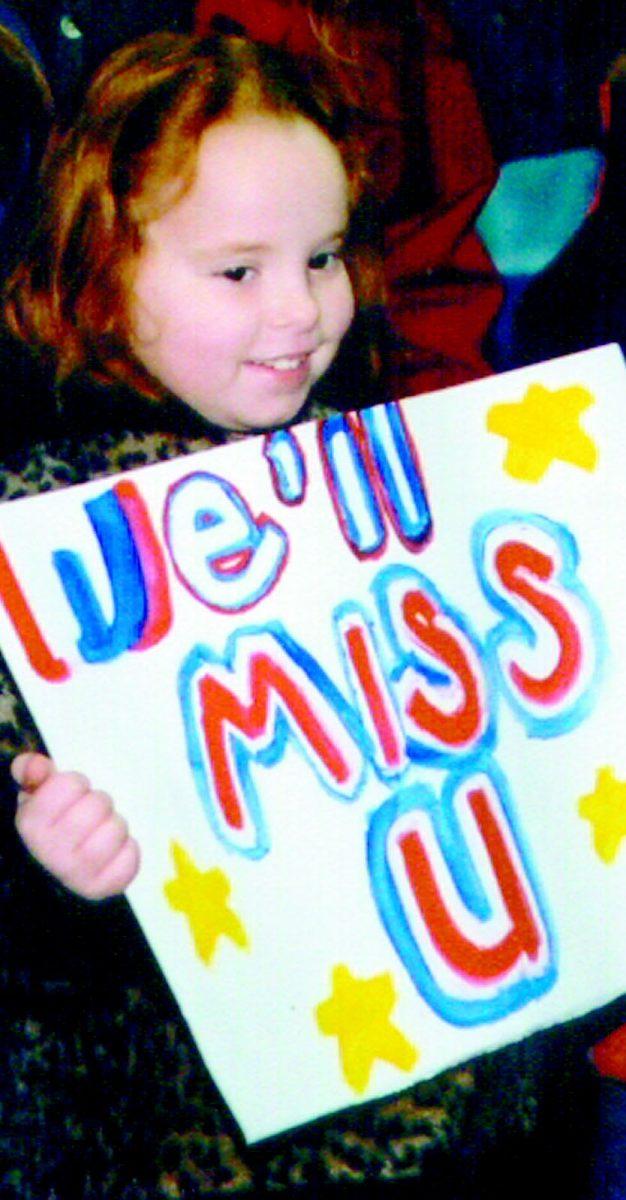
column 73, row 830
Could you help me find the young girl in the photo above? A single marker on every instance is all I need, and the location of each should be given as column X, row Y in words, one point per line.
column 192, row 246
column 193, row 251
column 190, row 252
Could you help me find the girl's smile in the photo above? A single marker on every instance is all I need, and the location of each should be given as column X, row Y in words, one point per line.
column 241, row 296
column 289, row 372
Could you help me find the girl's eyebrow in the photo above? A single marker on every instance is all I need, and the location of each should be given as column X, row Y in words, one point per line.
column 338, row 235
column 225, row 250
column 234, row 248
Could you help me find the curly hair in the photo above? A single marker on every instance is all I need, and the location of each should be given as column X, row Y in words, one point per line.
column 129, row 156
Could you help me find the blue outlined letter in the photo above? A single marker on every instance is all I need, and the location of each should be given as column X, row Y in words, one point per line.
column 227, row 559
column 242, row 708
column 456, row 897
column 549, row 646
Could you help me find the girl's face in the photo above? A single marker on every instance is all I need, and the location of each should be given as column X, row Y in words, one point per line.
column 241, row 296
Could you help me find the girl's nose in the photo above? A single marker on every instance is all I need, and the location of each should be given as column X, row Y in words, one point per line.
column 294, row 305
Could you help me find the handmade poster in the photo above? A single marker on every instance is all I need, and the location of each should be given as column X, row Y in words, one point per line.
column 360, row 690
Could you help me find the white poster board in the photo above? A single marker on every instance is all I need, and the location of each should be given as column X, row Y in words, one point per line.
column 359, row 689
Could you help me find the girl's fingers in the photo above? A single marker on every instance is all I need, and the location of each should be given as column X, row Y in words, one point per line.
column 98, row 843
column 79, row 820
column 31, row 769
column 73, row 829
column 51, row 801
column 114, row 876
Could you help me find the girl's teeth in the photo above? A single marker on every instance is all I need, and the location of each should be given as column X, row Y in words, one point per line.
column 282, row 364
column 287, row 364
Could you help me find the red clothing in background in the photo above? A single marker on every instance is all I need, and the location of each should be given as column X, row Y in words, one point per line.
column 433, row 168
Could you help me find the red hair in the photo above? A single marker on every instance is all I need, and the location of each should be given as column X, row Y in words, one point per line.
column 113, row 170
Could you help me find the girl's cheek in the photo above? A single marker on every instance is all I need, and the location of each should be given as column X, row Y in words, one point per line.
column 349, row 304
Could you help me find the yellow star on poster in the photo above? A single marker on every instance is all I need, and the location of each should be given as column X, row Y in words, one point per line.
column 357, row 1014
column 202, row 897
column 605, row 809
column 542, row 428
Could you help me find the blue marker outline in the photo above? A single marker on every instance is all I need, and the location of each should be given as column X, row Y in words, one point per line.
column 514, row 627
column 284, row 732
column 282, row 451
column 447, row 829
column 256, row 532
column 338, row 426
column 100, row 640
column 342, row 614
column 406, row 659
column 412, row 534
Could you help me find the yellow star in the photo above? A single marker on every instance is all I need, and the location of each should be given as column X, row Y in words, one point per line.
column 542, row 427
column 357, row 1014
column 202, row 896
column 605, row 809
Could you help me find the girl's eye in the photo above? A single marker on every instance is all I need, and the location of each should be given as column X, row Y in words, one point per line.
column 237, row 274
column 324, row 260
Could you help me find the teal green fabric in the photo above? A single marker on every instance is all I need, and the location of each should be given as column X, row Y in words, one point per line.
column 537, row 206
